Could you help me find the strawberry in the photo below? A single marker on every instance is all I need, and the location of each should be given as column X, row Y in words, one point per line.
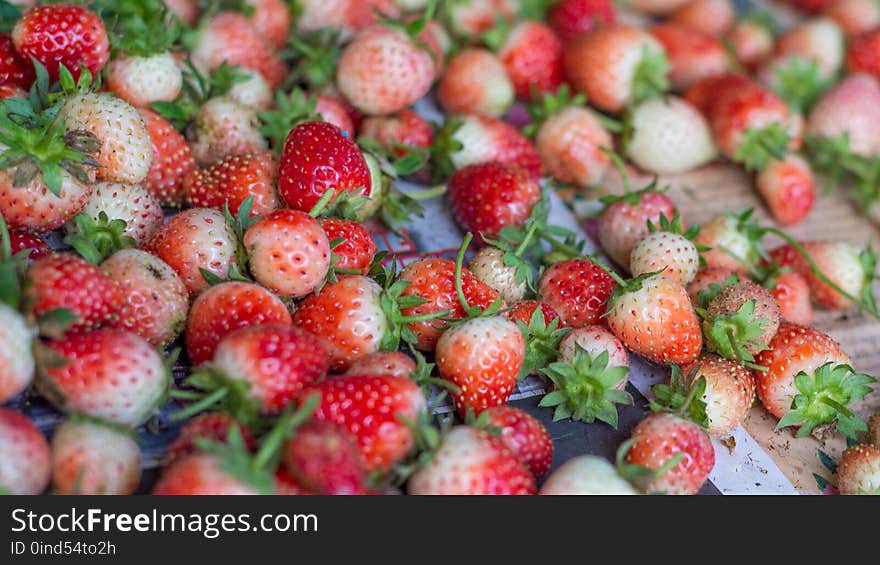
column 63, row 34
column 532, row 56
column 809, row 6
column 27, row 464
column 594, row 340
column 788, row 188
column 470, row 461
column 212, row 426
column 570, row 18
column 132, row 203
column 661, row 439
column 624, row 220
column 288, row 252
column 434, row 280
column 226, row 307
column 391, row 363
column 854, row 17
column 399, row 134
column 488, row 266
column 577, row 290
column 172, row 159
column 14, row 69
column 373, row 409
column 94, row 458
column 740, row 321
column 669, row 136
column 65, row 281
column 383, row 71
column 16, row 361
column 353, row 246
column 252, row 90
column 586, row 475
column 486, row 197
column 732, row 241
column 223, row 128
column 141, row 80
column 154, row 299
column 336, row 111
column 232, row 38
column 203, row 474
column 692, row 55
column 668, row 251
column 616, row 66
column 653, row 316
column 539, row 323
column 109, row 374
column 326, row 459
column 524, row 436
column 711, row 17
column 317, row 157
column 850, row 107
column 523, row 311
column 792, row 293
column 819, row 40
column 196, row 239
column 729, row 392
column 709, row 281
column 337, row 15
column 750, row 40
column 861, row 56
column 482, row 357
column 808, row 381
column 858, row 471
column 186, row 10
column 231, row 181
column 272, row 20
column 475, row 82
column 474, row 17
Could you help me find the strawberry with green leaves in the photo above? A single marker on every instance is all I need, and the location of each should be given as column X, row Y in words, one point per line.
column 594, row 340
column 733, row 241
column 728, row 394
column 353, row 247
column 212, row 426
column 27, row 459
column 489, row 265
column 668, row 248
column 133, row 204
column 740, row 321
column 94, row 457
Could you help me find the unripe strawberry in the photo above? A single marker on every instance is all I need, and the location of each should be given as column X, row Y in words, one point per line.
column 132, row 203
column 488, row 266
column 672, row 253
column 142, row 80
column 93, row 458
column 223, row 128
column 475, row 82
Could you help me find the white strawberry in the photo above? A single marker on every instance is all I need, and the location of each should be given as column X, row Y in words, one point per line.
column 672, row 253
column 135, row 205
column 224, row 127
column 25, row 461
column 142, row 80
column 594, row 340
column 16, row 361
column 488, row 266
column 586, row 475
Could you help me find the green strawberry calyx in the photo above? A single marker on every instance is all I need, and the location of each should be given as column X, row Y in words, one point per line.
column 542, row 342
column 735, row 336
column 760, row 145
column 649, row 80
column 95, row 240
column 684, row 397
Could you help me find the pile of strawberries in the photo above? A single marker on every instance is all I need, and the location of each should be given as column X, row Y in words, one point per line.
column 216, row 169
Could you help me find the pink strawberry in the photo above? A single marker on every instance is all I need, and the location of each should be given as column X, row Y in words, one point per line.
column 624, row 221
column 132, row 203
column 570, row 142
column 577, row 290
column 692, row 55
column 524, row 436
column 326, row 459
column 141, row 80
column 854, row 17
column 475, row 82
column 751, row 41
column 594, row 340
column 850, row 107
column 532, row 56
column 93, row 458
column 16, row 360
column 400, row 133
column 792, row 293
column 27, row 461
column 711, row 17
column 788, row 188
column 729, row 393
column 231, row 181
column 392, row 363
column 224, row 127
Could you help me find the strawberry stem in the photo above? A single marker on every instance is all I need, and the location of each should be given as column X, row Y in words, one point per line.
column 200, row 406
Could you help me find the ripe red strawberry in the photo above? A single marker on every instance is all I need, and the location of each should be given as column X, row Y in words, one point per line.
column 858, row 471
column 391, row 363
column 172, row 159
column 854, row 17
column 275, row 361
column 482, row 357
column 132, row 203
column 212, row 426
column 524, row 436
column 154, row 299
column 788, row 188
column 615, row 66
column 399, row 133
column 570, row 142
column 63, row 34
column 27, row 464
column 318, row 156
column 109, row 374
column 195, row 239
column 804, row 368
column 729, row 393
column 809, row 6
column 224, row 308
column 586, row 475
column 659, row 438
column 624, row 221
column 673, row 253
column 578, row 290
column 325, row 459
column 203, row 474
column 21, row 240
column 740, row 321
column 469, row 461
column 288, row 252
column 231, row 181
column 861, row 56
column 654, row 317
column 372, row 409
column 850, row 107
column 93, row 458
column 434, row 281
column 224, row 127
column 383, row 71
column 141, row 80
column 711, row 17
column 570, row 18
column 475, row 82
column 14, row 69
column 65, row 281
column 16, row 360
column 692, row 55
column 532, row 56
column 594, row 340
column 354, row 253
column 751, row 41
column 488, row 266
column 486, row 197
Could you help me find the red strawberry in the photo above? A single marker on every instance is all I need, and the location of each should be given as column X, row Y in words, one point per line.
column 711, row 17
column 434, row 281
column 14, row 69
column 372, row 409
column 854, row 17
column 224, row 308
column 16, row 360
column 489, row 196
column 788, row 188
column 862, row 54
column 660, row 437
column 27, row 464
column 195, row 239
column 654, row 317
column 318, row 156
column 615, row 66
column 10, row 91
column 570, row 18
column 858, row 471
column 326, row 459
column 288, row 252
column 34, row 207
column 472, row 462
column 63, row 34
column 154, row 299
column 523, row 310
column 212, row 426
column 21, row 240
column 202, row 474
column 475, row 82
column 809, row 6
column 578, row 290
column 804, row 368
column 482, row 357
column 356, row 249
column 392, row 363
column 525, row 437
column 65, row 281
column 172, row 159
column 730, row 391
column 532, row 55
column 400, row 132
column 231, row 181
column 624, row 221
column 109, row 374
column 585, row 475
column 692, row 55
column 93, row 458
